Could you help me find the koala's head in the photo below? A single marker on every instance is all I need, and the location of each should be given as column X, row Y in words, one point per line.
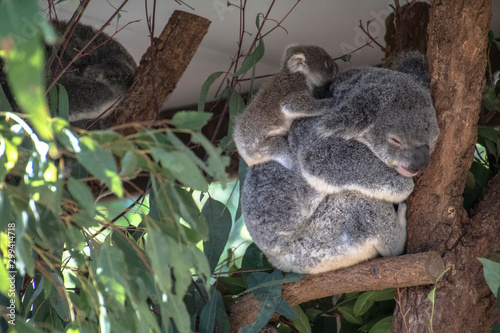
column 312, row 61
column 404, row 131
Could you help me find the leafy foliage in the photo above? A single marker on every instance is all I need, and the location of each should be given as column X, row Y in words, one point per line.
column 487, row 156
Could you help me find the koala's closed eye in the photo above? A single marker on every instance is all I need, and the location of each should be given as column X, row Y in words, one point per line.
column 395, row 141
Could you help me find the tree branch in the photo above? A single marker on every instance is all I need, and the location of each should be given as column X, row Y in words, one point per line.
column 173, row 49
column 382, row 273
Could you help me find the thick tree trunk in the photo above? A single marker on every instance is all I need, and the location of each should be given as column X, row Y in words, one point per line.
column 456, row 54
column 164, row 62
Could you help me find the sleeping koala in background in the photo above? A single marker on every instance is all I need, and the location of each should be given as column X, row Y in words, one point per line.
column 354, row 164
column 94, row 81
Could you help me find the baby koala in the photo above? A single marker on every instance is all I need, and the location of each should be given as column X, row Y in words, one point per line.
column 260, row 132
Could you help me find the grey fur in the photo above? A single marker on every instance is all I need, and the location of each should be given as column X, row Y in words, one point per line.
column 336, row 208
column 261, row 130
column 94, row 81
column 97, row 79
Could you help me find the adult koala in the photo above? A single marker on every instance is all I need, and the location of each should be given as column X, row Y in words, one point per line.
column 353, row 166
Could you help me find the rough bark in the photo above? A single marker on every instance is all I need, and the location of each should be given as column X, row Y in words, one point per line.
column 456, row 54
column 408, row 32
column 378, row 274
column 165, row 61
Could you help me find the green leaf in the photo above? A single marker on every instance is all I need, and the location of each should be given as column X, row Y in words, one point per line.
column 178, row 312
column 110, row 264
column 366, row 300
column 191, row 120
column 129, row 165
column 491, row 274
column 346, row 57
column 236, row 106
column 4, row 101
column 4, row 277
column 24, row 256
column 490, row 98
column 219, row 223
column 349, row 315
column 254, row 258
column 270, row 298
column 498, row 298
column 209, row 312
column 6, row 215
column 383, row 326
column 223, row 320
column 496, row 327
column 216, row 163
column 59, row 302
column 231, row 285
column 182, row 167
column 363, row 304
column 100, row 163
column 158, row 252
column 302, row 322
column 252, row 59
column 81, row 193
column 286, row 310
column 290, row 277
column 24, row 58
column 10, row 153
column 204, row 90
column 63, row 104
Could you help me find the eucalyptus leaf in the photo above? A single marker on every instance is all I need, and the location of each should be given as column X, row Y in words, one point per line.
column 204, row 90
column 491, row 274
column 302, row 322
column 4, row 102
column 182, row 167
column 129, row 164
column 24, row 58
column 209, row 312
column 383, row 326
column 349, row 315
column 59, row 301
column 100, row 163
column 178, row 312
column 81, row 193
column 63, row 104
column 6, row 212
column 191, row 120
column 159, row 255
column 252, row 59
column 219, row 224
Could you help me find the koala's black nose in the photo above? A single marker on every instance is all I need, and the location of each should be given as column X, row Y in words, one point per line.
column 420, row 159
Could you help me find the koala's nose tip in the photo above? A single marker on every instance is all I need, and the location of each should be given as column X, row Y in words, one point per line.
column 420, row 159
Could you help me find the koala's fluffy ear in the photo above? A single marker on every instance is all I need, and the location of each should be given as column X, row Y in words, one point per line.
column 414, row 64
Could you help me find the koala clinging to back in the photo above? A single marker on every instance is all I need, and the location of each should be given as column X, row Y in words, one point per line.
column 354, row 163
column 260, row 131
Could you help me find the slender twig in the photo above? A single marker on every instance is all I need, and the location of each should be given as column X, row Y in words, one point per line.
column 151, row 28
column 77, row 15
column 367, row 33
column 279, row 24
column 367, row 43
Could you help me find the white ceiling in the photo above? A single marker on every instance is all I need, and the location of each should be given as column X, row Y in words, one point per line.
column 332, row 25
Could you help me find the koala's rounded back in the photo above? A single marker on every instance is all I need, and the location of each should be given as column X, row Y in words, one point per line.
column 344, row 202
